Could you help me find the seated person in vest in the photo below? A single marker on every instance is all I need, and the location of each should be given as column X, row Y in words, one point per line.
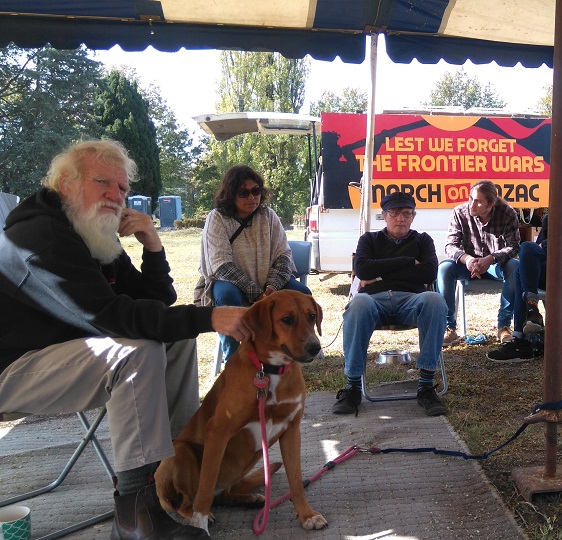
column 483, row 239
column 394, row 266
column 530, row 276
column 81, row 327
column 244, row 251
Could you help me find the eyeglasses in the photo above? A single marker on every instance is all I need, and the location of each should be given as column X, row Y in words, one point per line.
column 245, row 193
column 408, row 214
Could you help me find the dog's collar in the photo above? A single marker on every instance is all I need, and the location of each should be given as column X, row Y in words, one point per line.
column 267, row 368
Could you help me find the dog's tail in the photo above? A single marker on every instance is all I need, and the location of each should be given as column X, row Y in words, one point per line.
column 254, row 479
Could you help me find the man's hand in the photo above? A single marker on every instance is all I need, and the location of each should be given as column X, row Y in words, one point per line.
column 227, row 320
column 139, row 224
column 364, row 282
column 484, row 263
column 472, row 265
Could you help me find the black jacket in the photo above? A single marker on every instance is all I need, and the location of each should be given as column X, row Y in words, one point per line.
column 378, row 256
column 52, row 290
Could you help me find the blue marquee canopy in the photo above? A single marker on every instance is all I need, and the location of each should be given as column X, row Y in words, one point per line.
column 507, row 31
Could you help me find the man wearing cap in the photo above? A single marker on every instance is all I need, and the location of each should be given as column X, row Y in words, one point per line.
column 394, row 266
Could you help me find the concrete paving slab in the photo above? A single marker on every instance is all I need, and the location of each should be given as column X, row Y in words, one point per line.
column 402, row 496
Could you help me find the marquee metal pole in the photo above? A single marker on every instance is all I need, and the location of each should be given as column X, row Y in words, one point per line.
column 367, row 179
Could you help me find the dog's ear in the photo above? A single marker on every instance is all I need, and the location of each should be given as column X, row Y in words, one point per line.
column 319, row 316
column 258, row 318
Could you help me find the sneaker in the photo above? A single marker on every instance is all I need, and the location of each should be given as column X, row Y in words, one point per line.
column 450, row 337
column 429, row 400
column 534, row 322
column 348, row 400
column 504, row 334
column 518, row 350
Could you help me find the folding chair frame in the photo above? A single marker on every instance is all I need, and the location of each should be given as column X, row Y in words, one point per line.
column 400, row 397
column 88, row 437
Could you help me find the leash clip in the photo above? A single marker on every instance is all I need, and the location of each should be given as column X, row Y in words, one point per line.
column 261, row 381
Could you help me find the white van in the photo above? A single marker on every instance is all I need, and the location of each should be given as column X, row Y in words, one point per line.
column 435, row 158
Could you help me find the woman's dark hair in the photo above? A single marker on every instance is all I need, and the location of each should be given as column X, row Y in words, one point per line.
column 232, row 182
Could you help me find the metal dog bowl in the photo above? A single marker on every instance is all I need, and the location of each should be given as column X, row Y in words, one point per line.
column 394, row 357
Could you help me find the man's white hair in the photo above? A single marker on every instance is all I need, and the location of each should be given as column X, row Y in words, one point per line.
column 67, row 167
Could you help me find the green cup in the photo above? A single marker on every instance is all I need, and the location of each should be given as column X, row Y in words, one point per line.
column 15, row 523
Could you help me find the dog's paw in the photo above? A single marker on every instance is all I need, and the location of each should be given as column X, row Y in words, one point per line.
column 201, row 521
column 257, row 500
column 315, row 522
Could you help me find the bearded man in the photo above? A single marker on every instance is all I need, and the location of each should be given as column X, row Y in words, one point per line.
column 81, row 327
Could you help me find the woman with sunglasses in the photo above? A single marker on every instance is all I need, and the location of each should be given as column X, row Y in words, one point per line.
column 244, row 251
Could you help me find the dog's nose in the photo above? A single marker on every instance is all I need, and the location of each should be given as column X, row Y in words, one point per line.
column 313, row 349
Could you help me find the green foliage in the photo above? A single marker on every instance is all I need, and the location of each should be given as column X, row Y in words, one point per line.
column 189, row 223
column 352, row 100
column 45, row 104
column 123, row 114
column 458, row 89
column 544, row 104
column 179, row 151
column 262, row 82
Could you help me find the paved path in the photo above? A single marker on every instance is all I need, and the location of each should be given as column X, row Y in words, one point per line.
column 383, row 496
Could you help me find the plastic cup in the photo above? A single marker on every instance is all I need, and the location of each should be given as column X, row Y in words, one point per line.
column 15, row 523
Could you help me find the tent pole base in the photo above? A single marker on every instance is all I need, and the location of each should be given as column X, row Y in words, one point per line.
column 533, row 480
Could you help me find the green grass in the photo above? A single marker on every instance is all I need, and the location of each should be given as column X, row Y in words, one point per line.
column 487, row 401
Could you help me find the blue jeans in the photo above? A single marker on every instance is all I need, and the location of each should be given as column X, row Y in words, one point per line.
column 367, row 311
column 225, row 293
column 449, row 272
column 529, row 276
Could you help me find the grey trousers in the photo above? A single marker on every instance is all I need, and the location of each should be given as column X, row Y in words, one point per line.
column 150, row 389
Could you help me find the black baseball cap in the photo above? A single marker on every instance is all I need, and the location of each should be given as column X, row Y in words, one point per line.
column 397, row 200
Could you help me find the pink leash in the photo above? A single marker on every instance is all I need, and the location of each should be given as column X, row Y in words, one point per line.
column 261, row 382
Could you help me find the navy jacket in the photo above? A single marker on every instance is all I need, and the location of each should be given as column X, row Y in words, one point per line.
column 378, row 256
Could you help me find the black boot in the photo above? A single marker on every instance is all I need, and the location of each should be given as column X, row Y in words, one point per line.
column 139, row 516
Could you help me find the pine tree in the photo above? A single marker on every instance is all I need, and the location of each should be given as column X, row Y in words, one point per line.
column 123, row 115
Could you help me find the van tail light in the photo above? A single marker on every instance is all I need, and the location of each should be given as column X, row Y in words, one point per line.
column 313, row 225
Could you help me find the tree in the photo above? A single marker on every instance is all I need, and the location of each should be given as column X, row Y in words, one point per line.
column 458, row 89
column 544, row 104
column 45, row 104
column 179, row 151
column 352, row 100
column 123, row 114
column 265, row 82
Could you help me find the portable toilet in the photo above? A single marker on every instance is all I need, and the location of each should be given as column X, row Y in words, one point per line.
column 170, row 210
column 140, row 203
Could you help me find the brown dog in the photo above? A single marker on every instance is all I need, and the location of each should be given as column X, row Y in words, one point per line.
column 221, row 443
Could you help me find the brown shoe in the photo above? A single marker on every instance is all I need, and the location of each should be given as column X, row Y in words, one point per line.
column 450, row 338
column 504, row 334
column 139, row 516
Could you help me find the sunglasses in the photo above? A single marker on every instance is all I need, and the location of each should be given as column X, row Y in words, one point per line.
column 245, row 193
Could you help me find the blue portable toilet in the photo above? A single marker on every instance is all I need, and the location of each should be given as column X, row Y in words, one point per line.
column 140, row 203
column 170, row 210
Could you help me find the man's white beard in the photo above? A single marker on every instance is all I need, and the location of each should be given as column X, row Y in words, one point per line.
column 99, row 231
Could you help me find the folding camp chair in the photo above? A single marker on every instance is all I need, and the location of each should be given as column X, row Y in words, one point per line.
column 301, row 257
column 395, row 397
column 88, row 437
